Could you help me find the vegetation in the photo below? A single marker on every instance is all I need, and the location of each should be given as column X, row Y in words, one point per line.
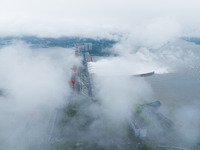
column 142, row 115
column 99, row 46
column 77, row 116
column 72, row 145
column 72, row 109
column 138, row 108
column 146, row 147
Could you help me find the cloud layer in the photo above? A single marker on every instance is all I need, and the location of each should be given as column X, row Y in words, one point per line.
column 93, row 18
column 34, row 84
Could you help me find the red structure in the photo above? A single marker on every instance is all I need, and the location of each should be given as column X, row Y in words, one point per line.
column 73, row 69
column 76, row 50
column 72, row 82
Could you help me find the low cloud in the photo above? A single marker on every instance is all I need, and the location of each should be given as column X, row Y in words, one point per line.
column 86, row 18
column 34, row 84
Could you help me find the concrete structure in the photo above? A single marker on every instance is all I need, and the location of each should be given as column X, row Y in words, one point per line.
column 88, row 46
column 84, row 46
column 141, row 132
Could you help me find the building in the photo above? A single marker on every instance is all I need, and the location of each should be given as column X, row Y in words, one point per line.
column 88, row 46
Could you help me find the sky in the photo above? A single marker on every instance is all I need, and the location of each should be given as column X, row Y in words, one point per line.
column 94, row 18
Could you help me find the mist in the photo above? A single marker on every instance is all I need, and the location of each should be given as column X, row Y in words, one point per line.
column 176, row 67
column 148, row 34
column 34, row 84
